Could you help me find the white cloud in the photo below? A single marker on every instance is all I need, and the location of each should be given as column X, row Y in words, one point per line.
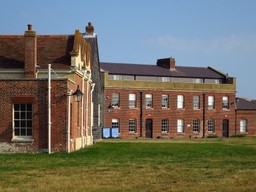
column 229, row 44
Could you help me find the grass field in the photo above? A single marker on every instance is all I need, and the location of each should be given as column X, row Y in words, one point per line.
column 137, row 165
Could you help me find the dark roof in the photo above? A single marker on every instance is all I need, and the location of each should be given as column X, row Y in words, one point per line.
column 54, row 49
column 154, row 70
column 245, row 104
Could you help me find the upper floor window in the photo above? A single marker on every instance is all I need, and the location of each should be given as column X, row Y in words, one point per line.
column 132, row 100
column 117, row 77
column 164, row 128
column 149, row 101
column 132, row 125
column 197, row 80
column 210, row 125
column 22, row 120
column 196, row 125
column 115, row 100
column 180, row 101
column 180, row 126
column 166, row 79
column 211, row 102
column 225, row 103
column 243, row 126
column 165, row 101
column 196, row 102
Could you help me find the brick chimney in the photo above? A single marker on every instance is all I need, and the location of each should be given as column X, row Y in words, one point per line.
column 30, row 53
column 89, row 29
column 168, row 63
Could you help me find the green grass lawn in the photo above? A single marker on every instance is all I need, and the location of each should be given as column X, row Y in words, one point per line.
column 137, row 165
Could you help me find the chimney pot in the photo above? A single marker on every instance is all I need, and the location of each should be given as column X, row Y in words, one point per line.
column 29, row 27
column 89, row 23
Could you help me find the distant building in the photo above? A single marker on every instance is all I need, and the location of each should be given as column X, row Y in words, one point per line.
column 38, row 114
column 168, row 101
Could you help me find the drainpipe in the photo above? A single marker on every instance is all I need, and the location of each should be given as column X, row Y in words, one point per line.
column 140, row 113
column 203, row 115
column 69, row 111
column 87, row 84
column 49, row 108
column 92, row 106
column 82, row 114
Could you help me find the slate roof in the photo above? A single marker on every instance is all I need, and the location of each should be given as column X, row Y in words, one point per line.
column 53, row 49
column 154, row 70
column 245, row 104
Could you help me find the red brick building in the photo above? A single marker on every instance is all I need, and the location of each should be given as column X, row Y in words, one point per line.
column 38, row 106
column 168, row 101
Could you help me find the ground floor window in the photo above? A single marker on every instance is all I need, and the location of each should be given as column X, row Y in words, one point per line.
column 115, row 124
column 243, row 126
column 164, row 128
column 196, row 126
column 22, row 120
column 210, row 125
column 132, row 125
column 180, row 126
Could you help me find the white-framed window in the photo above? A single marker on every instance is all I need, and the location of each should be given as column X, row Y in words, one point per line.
column 22, row 120
column 165, row 125
column 132, row 125
column 243, row 125
column 115, row 124
column 196, row 102
column 180, row 126
column 165, row 101
column 211, row 104
column 225, row 103
column 149, row 101
column 211, row 125
column 117, row 77
column 132, row 100
column 180, row 101
column 115, row 100
column 197, row 80
column 166, row 79
column 196, row 125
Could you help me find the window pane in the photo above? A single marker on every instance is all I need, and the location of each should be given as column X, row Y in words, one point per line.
column 17, row 132
column 225, row 104
column 165, row 101
column 132, row 125
column 243, row 125
column 132, row 100
column 115, row 100
column 164, row 125
column 210, row 125
column 180, row 126
column 180, row 101
column 210, row 102
column 196, row 102
column 148, row 101
column 196, row 123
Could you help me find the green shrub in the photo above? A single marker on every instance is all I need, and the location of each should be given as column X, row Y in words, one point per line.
column 212, row 136
column 238, row 135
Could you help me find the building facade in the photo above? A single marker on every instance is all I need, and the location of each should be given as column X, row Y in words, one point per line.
column 168, row 101
column 41, row 80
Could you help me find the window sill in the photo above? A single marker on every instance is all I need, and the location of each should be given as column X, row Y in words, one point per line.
column 164, row 133
column 133, row 108
column 196, row 133
column 180, row 133
column 22, row 140
column 165, row 108
column 132, row 133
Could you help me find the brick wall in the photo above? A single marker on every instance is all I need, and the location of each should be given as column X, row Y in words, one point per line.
column 157, row 113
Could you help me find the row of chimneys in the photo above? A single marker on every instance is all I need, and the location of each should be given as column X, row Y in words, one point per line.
column 31, row 50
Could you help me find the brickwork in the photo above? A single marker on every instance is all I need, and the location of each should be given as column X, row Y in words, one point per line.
column 250, row 117
column 157, row 113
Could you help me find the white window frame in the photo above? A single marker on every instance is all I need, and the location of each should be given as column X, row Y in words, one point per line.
column 132, row 100
column 180, row 102
column 180, row 126
column 132, row 125
column 211, row 127
column 211, row 103
column 165, row 126
column 225, row 102
column 196, row 125
column 196, row 102
column 115, row 100
column 243, row 126
column 116, row 124
column 117, row 77
column 149, row 100
column 165, row 101
column 166, row 79
column 22, row 121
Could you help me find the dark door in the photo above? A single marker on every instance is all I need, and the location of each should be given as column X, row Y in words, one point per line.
column 149, row 127
column 225, row 128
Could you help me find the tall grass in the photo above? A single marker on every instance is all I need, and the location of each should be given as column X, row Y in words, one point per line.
column 137, row 165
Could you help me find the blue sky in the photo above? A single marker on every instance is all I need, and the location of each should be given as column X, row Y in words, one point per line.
column 200, row 33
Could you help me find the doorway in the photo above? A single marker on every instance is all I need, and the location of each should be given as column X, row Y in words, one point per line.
column 225, row 128
column 149, row 128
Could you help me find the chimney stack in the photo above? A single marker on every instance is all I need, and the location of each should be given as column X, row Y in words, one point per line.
column 30, row 53
column 168, row 63
column 89, row 29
